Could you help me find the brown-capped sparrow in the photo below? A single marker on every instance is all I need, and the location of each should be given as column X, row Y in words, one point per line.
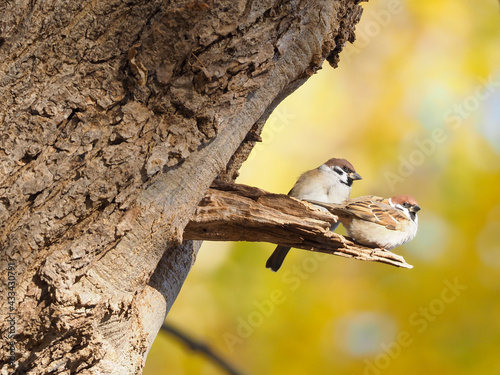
column 330, row 183
column 380, row 222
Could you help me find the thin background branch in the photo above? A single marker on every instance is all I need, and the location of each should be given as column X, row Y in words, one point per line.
column 201, row 347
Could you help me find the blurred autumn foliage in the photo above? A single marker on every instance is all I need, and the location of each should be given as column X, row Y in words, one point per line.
column 415, row 106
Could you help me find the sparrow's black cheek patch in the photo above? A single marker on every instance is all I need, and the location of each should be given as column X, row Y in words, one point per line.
column 349, row 182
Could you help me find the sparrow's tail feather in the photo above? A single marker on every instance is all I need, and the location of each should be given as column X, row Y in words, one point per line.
column 277, row 257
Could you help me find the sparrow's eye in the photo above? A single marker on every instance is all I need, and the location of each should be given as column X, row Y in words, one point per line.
column 406, row 205
column 346, row 170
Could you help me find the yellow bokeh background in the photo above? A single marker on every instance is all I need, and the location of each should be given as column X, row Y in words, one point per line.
column 415, row 107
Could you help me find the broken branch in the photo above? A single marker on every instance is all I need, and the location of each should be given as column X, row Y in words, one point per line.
column 235, row 212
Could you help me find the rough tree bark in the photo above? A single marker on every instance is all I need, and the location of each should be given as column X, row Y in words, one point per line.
column 116, row 116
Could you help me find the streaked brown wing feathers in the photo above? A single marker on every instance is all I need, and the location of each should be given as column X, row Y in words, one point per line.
column 377, row 210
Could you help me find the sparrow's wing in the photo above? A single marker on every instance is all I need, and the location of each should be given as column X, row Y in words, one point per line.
column 377, row 210
column 307, row 185
column 368, row 198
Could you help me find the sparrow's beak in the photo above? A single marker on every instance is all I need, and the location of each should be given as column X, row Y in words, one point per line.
column 355, row 176
column 415, row 208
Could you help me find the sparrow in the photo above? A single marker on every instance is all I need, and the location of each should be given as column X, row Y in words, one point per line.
column 331, row 182
column 379, row 222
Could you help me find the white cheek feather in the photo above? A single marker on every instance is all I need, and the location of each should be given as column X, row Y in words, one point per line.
column 336, row 190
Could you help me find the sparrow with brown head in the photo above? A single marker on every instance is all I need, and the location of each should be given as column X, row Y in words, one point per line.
column 331, row 182
column 380, row 222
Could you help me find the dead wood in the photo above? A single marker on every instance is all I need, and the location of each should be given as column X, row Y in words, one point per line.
column 234, row 212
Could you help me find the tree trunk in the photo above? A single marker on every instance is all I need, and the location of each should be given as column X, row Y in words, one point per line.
column 116, row 116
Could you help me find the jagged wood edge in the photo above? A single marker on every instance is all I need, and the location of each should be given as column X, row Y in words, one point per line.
column 236, row 212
